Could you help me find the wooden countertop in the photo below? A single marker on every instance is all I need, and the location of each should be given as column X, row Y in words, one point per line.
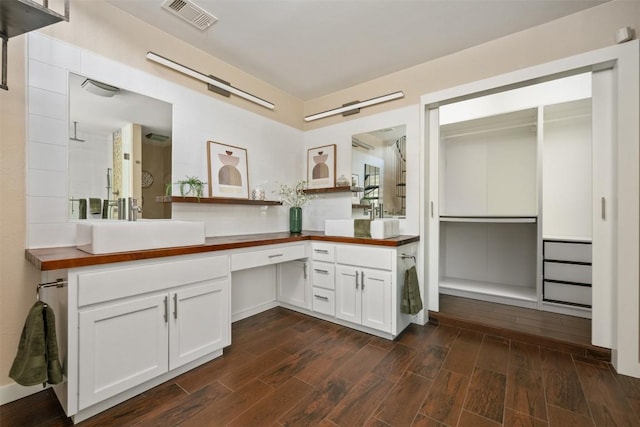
column 69, row 257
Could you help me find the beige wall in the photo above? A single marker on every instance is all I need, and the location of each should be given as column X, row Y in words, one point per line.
column 574, row 34
column 106, row 30
column 17, row 278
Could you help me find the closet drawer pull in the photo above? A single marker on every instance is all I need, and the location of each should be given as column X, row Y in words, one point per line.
column 320, row 297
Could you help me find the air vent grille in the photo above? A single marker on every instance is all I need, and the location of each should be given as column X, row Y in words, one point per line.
column 190, row 12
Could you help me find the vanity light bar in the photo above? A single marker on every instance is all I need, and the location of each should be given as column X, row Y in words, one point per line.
column 358, row 105
column 206, row 79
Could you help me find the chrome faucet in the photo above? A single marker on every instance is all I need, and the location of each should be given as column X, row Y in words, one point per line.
column 134, row 209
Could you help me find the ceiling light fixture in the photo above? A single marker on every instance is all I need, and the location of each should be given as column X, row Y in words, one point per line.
column 99, row 88
column 212, row 81
column 348, row 109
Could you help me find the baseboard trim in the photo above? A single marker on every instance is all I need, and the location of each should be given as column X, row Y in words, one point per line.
column 252, row 311
column 15, row 391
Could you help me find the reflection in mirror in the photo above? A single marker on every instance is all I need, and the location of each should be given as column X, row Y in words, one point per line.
column 119, row 146
column 378, row 167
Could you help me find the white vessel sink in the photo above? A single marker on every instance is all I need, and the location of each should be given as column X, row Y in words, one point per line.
column 110, row 236
column 381, row 228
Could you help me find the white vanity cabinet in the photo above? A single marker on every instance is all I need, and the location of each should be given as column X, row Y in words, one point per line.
column 139, row 323
column 363, row 296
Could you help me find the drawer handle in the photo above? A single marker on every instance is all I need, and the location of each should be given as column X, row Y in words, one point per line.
column 166, row 309
column 175, row 306
column 362, row 280
column 357, row 277
column 304, row 269
column 317, row 270
column 320, row 297
column 275, row 255
column 321, row 251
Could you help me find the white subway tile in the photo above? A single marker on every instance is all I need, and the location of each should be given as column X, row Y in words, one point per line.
column 47, row 156
column 48, row 209
column 49, row 104
column 46, row 183
column 51, row 235
column 54, row 52
column 47, row 130
column 48, row 77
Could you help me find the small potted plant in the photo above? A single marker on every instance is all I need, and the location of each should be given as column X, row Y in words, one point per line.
column 295, row 198
column 190, row 186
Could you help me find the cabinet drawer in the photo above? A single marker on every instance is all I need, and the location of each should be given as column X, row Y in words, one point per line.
column 134, row 279
column 567, row 293
column 273, row 255
column 323, row 275
column 365, row 256
column 577, row 273
column 323, row 252
column 324, row 301
column 567, row 251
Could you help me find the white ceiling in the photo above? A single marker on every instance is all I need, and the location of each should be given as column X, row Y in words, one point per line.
column 310, row 48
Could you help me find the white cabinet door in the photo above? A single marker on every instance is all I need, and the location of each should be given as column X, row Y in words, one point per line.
column 200, row 321
column 375, row 287
column 121, row 345
column 348, row 299
column 293, row 287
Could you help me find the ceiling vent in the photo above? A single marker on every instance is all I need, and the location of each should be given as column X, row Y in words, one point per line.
column 190, row 12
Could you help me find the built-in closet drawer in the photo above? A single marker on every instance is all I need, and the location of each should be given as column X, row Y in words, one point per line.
column 323, row 301
column 564, row 292
column 565, row 272
column 567, row 251
column 274, row 255
column 323, row 275
column 323, row 252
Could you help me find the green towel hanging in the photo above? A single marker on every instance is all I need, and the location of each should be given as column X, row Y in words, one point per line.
column 411, row 300
column 37, row 360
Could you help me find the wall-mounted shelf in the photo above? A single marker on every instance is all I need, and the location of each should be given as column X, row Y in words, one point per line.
column 344, row 189
column 23, row 16
column 216, row 200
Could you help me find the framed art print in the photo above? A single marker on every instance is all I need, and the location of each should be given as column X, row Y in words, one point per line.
column 321, row 166
column 228, row 171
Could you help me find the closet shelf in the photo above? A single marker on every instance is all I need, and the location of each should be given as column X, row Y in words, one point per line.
column 489, row 219
column 522, row 293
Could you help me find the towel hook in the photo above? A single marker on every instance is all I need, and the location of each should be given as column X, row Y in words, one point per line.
column 58, row 283
column 405, row 256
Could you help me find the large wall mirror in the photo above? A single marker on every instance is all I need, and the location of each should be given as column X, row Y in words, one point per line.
column 379, row 170
column 119, row 146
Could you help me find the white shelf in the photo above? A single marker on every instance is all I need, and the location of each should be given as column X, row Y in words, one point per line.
column 521, row 293
column 492, row 219
column 576, row 239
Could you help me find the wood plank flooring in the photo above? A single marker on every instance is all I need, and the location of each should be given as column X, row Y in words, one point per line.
column 288, row 369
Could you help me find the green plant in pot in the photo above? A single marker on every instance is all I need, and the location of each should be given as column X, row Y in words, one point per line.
column 294, row 197
column 190, row 185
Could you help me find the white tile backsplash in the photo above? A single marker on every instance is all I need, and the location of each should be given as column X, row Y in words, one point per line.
column 48, row 104
column 48, row 209
column 47, row 130
column 48, row 77
column 52, row 234
column 47, row 156
column 54, row 52
column 45, row 183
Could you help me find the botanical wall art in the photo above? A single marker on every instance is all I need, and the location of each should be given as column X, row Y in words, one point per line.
column 321, row 166
column 228, row 175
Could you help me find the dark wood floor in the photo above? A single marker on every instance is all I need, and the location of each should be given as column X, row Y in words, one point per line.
column 287, row 369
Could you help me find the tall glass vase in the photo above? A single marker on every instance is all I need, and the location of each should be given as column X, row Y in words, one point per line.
column 295, row 220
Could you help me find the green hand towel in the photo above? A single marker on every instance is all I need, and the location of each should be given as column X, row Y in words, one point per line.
column 95, row 205
column 362, row 228
column 411, row 300
column 36, row 361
